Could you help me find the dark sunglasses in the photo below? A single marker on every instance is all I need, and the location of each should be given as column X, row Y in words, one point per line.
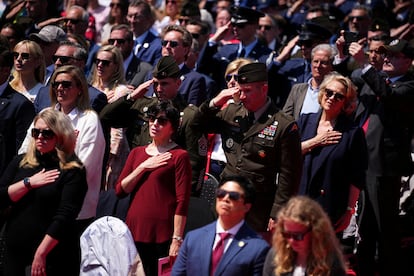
column 104, row 62
column 115, row 5
column 172, row 2
column 63, row 59
column 65, row 84
column 305, row 43
column 230, row 76
column 266, row 27
column 183, row 20
column 118, row 40
column 162, row 120
column 195, row 36
column 25, row 56
column 337, row 96
column 173, row 43
column 46, row 133
column 72, row 21
column 358, row 18
column 240, row 25
column 220, row 193
column 295, row 236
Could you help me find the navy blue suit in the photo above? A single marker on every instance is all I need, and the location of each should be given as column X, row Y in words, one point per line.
column 150, row 50
column 245, row 255
column 214, row 61
column 97, row 99
column 137, row 71
column 192, row 89
column 16, row 115
column 328, row 171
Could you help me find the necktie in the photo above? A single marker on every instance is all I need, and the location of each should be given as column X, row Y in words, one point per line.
column 218, row 252
column 242, row 53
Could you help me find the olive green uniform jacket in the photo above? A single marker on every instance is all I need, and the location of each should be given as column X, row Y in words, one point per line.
column 267, row 152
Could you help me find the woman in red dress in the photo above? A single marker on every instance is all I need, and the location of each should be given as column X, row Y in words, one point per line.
column 158, row 177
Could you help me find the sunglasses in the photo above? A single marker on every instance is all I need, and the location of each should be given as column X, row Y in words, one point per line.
column 195, row 36
column 25, row 56
column 183, row 20
column 172, row 43
column 220, row 193
column 65, row 84
column 305, row 43
column 295, row 236
column 104, row 62
column 118, row 41
column 46, row 133
column 112, row 5
column 231, row 76
column 63, row 59
column 266, row 27
column 337, row 96
column 72, row 21
column 240, row 25
column 171, row 2
column 162, row 120
column 358, row 18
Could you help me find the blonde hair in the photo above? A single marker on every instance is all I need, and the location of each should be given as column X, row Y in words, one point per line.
column 119, row 76
column 61, row 125
column 324, row 245
column 82, row 101
column 236, row 64
column 350, row 91
column 35, row 51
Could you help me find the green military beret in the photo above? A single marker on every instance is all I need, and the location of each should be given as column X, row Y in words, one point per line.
column 252, row 72
column 166, row 68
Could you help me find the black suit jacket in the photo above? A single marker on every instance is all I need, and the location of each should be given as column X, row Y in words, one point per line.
column 16, row 115
column 389, row 108
column 137, row 71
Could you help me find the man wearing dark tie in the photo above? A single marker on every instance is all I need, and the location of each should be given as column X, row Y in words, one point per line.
column 235, row 249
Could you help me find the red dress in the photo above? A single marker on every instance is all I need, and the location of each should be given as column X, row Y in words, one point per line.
column 158, row 196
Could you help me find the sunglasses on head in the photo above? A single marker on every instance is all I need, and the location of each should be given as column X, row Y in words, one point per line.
column 104, row 62
column 161, row 120
column 221, row 193
column 337, row 96
column 25, row 56
column 72, row 21
column 172, row 43
column 294, row 235
column 266, row 27
column 46, row 133
column 63, row 59
column 65, row 84
column 231, row 76
column 118, row 41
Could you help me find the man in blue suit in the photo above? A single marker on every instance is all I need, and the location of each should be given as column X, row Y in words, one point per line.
column 70, row 53
column 244, row 250
column 244, row 23
column 147, row 44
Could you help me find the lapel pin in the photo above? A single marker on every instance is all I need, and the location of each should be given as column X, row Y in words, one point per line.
column 241, row 243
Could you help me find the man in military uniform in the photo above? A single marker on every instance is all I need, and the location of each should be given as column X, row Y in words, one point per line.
column 215, row 58
column 130, row 112
column 260, row 143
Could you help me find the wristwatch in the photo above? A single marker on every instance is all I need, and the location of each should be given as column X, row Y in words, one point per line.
column 178, row 238
column 26, row 182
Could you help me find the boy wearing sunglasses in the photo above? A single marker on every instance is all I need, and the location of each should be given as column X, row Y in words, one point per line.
column 227, row 246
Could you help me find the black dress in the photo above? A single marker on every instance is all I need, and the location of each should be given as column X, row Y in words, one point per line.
column 51, row 209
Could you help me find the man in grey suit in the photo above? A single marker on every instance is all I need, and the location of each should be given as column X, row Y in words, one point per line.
column 303, row 98
column 135, row 70
column 243, row 251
